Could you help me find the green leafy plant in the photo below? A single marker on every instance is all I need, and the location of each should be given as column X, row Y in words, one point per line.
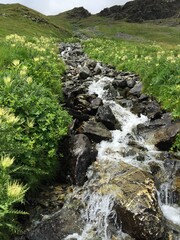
column 31, row 88
column 11, row 193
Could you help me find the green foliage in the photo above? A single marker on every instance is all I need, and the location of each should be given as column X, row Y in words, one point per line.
column 157, row 65
column 32, row 121
column 11, row 193
column 31, row 89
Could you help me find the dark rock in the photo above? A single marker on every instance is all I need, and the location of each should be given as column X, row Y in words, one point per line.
column 78, row 114
column 56, row 227
column 95, row 104
column 119, row 83
column 105, row 115
column 139, row 11
column 131, row 83
column 165, row 136
column 78, row 13
column 96, row 131
column 111, row 92
column 84, row 72
column 143, row 97
column 136, row 90
column 81, row 155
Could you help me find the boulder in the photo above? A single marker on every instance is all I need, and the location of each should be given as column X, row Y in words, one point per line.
column 122, row 83
column 136, row 90
column 57, row 226
column 81, row 155
column 84, row 72
column 105, row 115
column 165, row 136
column 135, row 197
column 96, row 131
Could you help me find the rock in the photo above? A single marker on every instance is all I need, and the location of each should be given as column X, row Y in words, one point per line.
column 78, row 13
column 98, row 69
column 84, row 72
column 122, row 83
column 95, row 104
column 105, row 115
column 136, row 200
column 136, row 90
column 153, row 110
column 96, row 131
column 57, row 226
column 131, row 83
column 165, row 136
column 81, row 155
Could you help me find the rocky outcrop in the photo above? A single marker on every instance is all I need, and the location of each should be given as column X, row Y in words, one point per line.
column 141, row 10
column 78, row 13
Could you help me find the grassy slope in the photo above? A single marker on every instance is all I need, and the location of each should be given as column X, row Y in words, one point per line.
column 165, row 31
column 15, row 18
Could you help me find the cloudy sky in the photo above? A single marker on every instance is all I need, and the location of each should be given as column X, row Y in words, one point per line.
column 51, row 7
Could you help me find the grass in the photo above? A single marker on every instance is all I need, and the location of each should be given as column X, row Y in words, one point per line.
column 17, row 19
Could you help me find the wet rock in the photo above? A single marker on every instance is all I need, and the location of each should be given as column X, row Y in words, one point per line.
column 96, row 131
column 81, row 155
column 136, row 200
column 105, row 115
column 165, row 136
column 111, row 92
column 56, row 226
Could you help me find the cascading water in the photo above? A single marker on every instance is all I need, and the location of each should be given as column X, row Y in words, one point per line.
column 99, row 208
column 100, row 218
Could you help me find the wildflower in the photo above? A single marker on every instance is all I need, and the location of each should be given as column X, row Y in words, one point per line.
column 16, row 190
column 11, row 118
column 7, row 81
column 36, row 59
column 16, row 62
column 29, row 80
column 6, row 162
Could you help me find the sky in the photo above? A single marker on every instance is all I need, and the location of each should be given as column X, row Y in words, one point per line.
column 52, row 7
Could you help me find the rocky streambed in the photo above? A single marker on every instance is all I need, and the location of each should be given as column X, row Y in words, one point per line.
column 126, row 184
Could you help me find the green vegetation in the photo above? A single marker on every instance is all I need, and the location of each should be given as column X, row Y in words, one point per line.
column 157, row 65
column 15, row 18
column 31, row 119
column 11, row 193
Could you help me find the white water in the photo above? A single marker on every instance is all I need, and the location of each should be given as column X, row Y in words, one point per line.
column 100, row 207
column 170, row 210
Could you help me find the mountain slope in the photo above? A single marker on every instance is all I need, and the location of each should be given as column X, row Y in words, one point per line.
column 16, row 18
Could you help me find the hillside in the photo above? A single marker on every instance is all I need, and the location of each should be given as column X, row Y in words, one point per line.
column 147, row 20
column 15, row 18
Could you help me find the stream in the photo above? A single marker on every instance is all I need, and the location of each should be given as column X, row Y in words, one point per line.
column 125, row 185
column 99, row 208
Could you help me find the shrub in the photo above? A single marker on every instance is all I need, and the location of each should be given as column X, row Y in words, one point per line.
column 31, row 89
